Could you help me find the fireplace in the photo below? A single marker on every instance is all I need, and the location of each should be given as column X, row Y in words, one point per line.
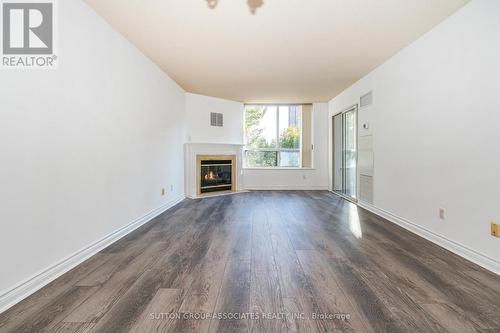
column 215, row 174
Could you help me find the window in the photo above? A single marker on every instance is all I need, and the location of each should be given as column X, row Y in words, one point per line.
column 273, row 135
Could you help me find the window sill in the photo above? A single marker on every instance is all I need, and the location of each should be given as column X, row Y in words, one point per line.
column 278, row 168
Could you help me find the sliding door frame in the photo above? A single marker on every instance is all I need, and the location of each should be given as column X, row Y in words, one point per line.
column 335, row 153
column 356, row 130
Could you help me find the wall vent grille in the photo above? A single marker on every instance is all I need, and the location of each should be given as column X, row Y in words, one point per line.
column 366, row 100
column 216, row 119
column 366, row 189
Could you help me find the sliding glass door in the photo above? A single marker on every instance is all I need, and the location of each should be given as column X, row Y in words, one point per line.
column 345, row 152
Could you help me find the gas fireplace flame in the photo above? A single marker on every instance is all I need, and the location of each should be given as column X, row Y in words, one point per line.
column 211, row 176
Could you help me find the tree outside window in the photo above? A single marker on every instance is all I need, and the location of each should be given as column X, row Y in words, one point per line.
column 273, row 135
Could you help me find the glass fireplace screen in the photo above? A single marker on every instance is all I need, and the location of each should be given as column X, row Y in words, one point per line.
column 216, row 175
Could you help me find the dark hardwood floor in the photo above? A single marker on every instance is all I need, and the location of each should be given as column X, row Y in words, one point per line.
column 310, row 261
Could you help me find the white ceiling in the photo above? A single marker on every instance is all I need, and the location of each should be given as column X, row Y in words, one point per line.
column 289, row 51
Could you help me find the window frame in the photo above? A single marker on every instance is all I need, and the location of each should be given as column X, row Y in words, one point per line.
column 278, row 149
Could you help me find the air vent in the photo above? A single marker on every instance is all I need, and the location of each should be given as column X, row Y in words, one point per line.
column 216, row 119
column 366, row 189
column 366, row 100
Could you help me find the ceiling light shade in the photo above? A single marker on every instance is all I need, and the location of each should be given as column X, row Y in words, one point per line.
column 254, row 5
column 212, row 3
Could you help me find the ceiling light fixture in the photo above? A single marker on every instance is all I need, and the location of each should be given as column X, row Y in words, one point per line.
column 252, row 4
column 212, row 3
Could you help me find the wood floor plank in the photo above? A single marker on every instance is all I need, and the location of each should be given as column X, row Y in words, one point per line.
column 122, row 315
column 266, row 300
column 487, row 279
column 234, row 298
column 484, row 313
column 241, row 244
column 262, row 251
column 298, row 320
column 449, row 318
column 408, row 313
column 156, row 317
column 102, row 273
column 409, row 280
column 108, row 294
column 54, row 313
column 291, row 275
column 353, row 283
column 328, row 297
column 265, row 290
column 73, row 328
column 207, row 276
column 25, row 310
column 186, row 253
column 294, row 287
column 211, row 251
column 148, row 231
column 466, row 280
column 202, row 294
column 191, row 311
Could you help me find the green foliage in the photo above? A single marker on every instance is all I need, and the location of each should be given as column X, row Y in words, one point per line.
column 262, row 158
column 253, row 116
column 290, row 138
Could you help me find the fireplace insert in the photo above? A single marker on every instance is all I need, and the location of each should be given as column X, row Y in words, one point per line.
column 216, row 175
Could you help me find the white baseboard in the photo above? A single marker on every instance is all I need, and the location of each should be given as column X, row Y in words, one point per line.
column 286, row 188
column 459, row 249
column 41, row 279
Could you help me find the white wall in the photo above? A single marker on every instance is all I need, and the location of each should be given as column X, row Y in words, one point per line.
column 435, row 123
column 296, row 179
column 85, row 149
column 198, row 109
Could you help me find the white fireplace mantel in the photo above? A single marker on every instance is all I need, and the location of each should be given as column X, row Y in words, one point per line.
column 192, row 149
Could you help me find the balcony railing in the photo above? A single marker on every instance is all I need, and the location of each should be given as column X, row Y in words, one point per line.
column 272, row 157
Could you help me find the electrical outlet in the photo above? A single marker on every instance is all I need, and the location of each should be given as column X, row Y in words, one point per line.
column 495, row 229
column 171, row 188
column 304, row 177
column 441, row 213
column 162, row 191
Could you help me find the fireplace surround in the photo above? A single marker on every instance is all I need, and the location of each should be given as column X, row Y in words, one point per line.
column 193, row 150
